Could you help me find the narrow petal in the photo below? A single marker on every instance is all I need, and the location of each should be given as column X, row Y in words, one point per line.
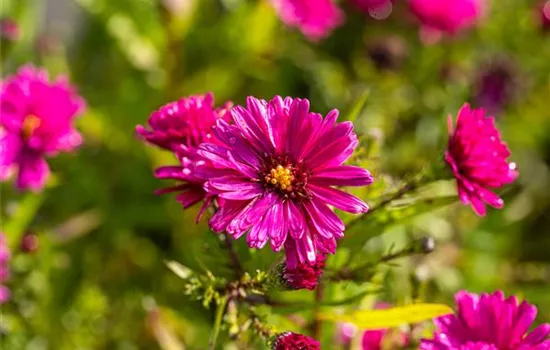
column 538, row 335
column 343, row 175
column 339, row 199
column 190, row 197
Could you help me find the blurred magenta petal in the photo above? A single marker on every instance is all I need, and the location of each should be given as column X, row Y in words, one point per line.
column 316, row 19
column 36, row 118
column 447, row 16
column 279, row 161
column 488, row 322
column 477, row 157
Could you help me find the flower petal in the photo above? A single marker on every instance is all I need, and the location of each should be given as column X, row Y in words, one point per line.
column 339, row 199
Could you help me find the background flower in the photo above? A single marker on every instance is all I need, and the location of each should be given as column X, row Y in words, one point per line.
column 36, row 119
column 315, row 18
column 477, row 157
column 489, row 321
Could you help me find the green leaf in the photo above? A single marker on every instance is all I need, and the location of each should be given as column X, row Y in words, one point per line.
column 357, row 107
column 218, row 322
column 387, row 318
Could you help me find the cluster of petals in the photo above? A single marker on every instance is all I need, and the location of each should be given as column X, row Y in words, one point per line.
column 489, row 322
column 305, row 275
column 477, row 158
column 314, row 18
column 36, row 121
column 447, row 16
column 4, row 269
column 276, row 166
column 294, row 341
column 180, row 127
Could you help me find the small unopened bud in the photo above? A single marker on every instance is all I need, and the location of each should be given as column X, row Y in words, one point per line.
column 304, row 275
column 29, row 243
column 9, row 30
column 426, row 244
column 545, row 15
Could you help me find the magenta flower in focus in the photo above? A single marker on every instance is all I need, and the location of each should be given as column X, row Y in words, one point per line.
column 36, row 121
column 305, row 275
column 276, row 168
column 488, row 322
column 447, row 16
column 4, row 269
column 295, row 341
column 315, row 18
column 477, row 157
column 181, row 126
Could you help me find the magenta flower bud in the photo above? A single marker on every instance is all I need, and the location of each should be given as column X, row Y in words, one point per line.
column 29, row 243
column 314, row 18
column 305, row 275
column 37, row 118
column 477, row 157
column 488, row 322
column 9, row 30
column 294, row 341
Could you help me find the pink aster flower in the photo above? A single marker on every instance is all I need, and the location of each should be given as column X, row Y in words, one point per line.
column 295, row 341
column 315, row 18
column 4, row 269
column 276, row 168
column 181, row 126
column 305, row 275
column 36, row 121
column 477, row 157
column 488, row 322
column 447, row 16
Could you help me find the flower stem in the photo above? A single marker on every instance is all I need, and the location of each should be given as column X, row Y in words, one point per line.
column 317, row 322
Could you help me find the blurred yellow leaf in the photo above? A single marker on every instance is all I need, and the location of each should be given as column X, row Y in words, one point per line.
column 387, row 318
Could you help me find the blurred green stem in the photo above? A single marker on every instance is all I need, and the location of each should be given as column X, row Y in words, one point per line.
column 317, row 322
column 22, row 218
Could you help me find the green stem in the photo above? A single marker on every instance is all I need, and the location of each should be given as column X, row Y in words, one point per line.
column 24, row 215
column 218, row 322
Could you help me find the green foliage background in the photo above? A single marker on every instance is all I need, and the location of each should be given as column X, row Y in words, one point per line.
column 98, row 279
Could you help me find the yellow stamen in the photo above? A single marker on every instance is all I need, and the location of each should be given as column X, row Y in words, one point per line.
column 281, row 177
column 30, row 124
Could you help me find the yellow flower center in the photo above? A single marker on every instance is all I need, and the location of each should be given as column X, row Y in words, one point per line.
column 281, row 177
column 30, row 124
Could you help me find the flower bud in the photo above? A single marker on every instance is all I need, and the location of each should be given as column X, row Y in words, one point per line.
column 29, row 243
column 293, row 341
column 304, row 275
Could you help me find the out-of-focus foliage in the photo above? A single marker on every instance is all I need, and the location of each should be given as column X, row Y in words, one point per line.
column 98, row 279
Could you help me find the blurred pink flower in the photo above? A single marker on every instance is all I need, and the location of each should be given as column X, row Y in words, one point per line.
column 488, row 322
column 315, row 18
column 4, row 268
column 448, row 16
column 366, row 5
column 377, row 339
column 277, row 165
column 9, row 29
column 295, row 341
column 36, row 121
column 306, row 274
column 545, row 15
column 181, row 126
column 477, row 157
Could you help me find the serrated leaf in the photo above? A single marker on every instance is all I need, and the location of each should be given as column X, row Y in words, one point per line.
column 393, row 317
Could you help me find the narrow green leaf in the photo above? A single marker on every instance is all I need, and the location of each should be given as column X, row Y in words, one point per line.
column 26, row 211
column 218, row 322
